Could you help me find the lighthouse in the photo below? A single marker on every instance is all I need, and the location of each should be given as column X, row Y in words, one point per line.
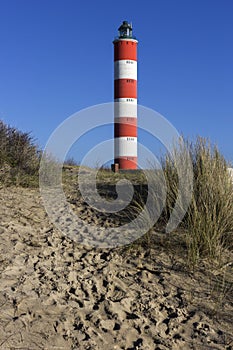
column 125, row 99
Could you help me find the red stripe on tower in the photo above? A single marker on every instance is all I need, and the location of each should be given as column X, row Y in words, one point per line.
column 125, row 98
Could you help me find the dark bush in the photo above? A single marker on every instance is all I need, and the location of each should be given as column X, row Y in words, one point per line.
column 19, row 157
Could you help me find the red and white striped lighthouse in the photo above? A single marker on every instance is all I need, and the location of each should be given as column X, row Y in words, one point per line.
column 125, row 98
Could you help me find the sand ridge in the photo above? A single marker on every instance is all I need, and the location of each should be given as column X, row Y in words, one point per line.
column 57, row 294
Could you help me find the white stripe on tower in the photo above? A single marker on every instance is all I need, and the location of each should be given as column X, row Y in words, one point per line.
column 125, row 69
column 125, row 109
column 125, row 97
column 126, row 148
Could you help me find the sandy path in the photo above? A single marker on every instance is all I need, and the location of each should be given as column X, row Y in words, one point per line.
column 55, row 294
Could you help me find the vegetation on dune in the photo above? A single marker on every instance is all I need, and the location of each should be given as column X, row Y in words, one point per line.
column 19, row 157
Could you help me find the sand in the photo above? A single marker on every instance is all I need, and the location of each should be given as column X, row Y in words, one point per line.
column 57, row 294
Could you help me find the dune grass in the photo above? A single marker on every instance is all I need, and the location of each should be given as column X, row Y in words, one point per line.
column 208, row 222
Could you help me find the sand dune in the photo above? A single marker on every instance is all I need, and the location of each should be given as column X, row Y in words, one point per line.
column 56, row 294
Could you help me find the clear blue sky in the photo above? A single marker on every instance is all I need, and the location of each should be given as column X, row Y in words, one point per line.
column 57, row 58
